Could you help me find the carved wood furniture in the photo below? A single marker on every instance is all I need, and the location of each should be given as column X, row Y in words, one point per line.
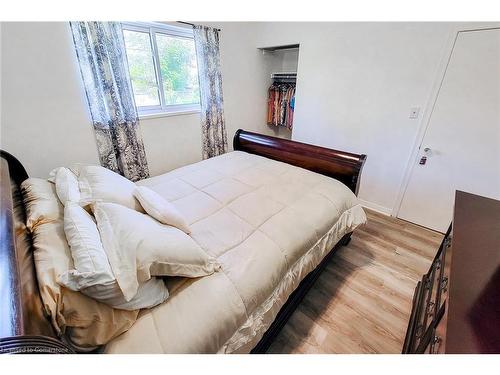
column 24, row 327
column 343, row 166
column 456, row 306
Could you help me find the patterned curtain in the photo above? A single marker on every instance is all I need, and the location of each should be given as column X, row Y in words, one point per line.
column 212, row 105
column 103, row 64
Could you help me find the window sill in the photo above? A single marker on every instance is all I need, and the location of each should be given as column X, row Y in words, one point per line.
column 152, row 115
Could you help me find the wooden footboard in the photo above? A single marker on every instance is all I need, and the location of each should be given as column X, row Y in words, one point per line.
column 24, row 328
column 343, row 166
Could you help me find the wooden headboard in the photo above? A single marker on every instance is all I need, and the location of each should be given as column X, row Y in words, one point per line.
column 23, row 326
column 343, row 166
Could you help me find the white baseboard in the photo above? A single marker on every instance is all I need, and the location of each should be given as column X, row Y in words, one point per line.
column 375, row 207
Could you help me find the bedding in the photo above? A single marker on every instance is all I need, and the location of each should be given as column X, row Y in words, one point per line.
column 84, row 322
column 66, row 185
column 139, row 247
column 89, row 258
column 159, row 208
column 42, row 204
column 99, row 184
column 92, row 274
column 268, row 224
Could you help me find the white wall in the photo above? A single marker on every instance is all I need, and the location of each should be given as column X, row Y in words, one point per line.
column 245, row 78
column 0, row 83
column 45, row 121
column 44, row 116
column 171, row 142
column 356, row 85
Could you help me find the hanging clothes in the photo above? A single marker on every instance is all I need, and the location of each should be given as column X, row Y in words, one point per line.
column 281, row 104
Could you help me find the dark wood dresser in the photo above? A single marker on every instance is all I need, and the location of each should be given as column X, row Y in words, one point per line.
column 456, row 305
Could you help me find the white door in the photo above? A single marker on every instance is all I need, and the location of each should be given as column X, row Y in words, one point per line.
column 462, row 141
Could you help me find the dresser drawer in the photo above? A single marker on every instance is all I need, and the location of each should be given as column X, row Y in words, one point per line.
column 439, row 272
column 465, row 290
column 435, row 274
column 428, row 301
column 445, row 261
column 438, row 339
column 432, row 292
column 424, row 318
column 409, row 343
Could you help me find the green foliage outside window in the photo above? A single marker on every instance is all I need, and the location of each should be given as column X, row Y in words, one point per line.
column 177, row 61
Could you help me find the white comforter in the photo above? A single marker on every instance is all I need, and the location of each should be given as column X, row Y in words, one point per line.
column 268, row 223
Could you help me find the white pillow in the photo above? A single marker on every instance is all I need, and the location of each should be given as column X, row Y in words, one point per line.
column 75, row 169
column 161, row 209
column 99, row 184
column 93, row 275
column 160, row 250
column 67, row 186
column 149, row 294
column 89, row 258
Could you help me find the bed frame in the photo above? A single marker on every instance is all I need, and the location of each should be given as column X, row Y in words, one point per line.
column 23, row 326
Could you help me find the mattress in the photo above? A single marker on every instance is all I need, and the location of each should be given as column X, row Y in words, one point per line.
column 268, row 223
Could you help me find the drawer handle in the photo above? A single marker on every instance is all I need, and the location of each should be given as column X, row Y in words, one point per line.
column 447, row 242
column 430, row 308
column 438, row 264
column 444, row 284
column 419, row 331
column 436, row 343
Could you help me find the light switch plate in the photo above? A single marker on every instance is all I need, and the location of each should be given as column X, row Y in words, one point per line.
column 414, row 112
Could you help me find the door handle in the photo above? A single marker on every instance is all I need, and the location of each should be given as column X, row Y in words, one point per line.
column 423, row 159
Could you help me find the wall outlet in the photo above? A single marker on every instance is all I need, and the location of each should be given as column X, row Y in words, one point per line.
column 414, row 112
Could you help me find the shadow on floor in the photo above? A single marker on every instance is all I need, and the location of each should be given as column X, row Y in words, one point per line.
column 299, row 330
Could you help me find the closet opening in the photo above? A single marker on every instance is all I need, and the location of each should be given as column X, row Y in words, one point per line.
column 282, row 67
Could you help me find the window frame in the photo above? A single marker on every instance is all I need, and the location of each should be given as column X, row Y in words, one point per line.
column 153, row 28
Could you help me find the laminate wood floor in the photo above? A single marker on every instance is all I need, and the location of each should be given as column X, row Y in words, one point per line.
column 361, row 302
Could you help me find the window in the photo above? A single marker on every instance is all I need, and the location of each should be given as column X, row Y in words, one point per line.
column 163, row 70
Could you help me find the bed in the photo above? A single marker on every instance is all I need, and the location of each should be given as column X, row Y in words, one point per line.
column 272, row 212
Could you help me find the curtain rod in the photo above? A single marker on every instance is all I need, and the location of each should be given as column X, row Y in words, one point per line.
column 192, row 24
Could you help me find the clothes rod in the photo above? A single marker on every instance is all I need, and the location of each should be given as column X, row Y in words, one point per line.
column 283, row 75
column 192, row 24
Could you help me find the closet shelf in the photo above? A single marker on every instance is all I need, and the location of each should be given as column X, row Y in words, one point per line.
column 284, row 77
column 286, row 47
